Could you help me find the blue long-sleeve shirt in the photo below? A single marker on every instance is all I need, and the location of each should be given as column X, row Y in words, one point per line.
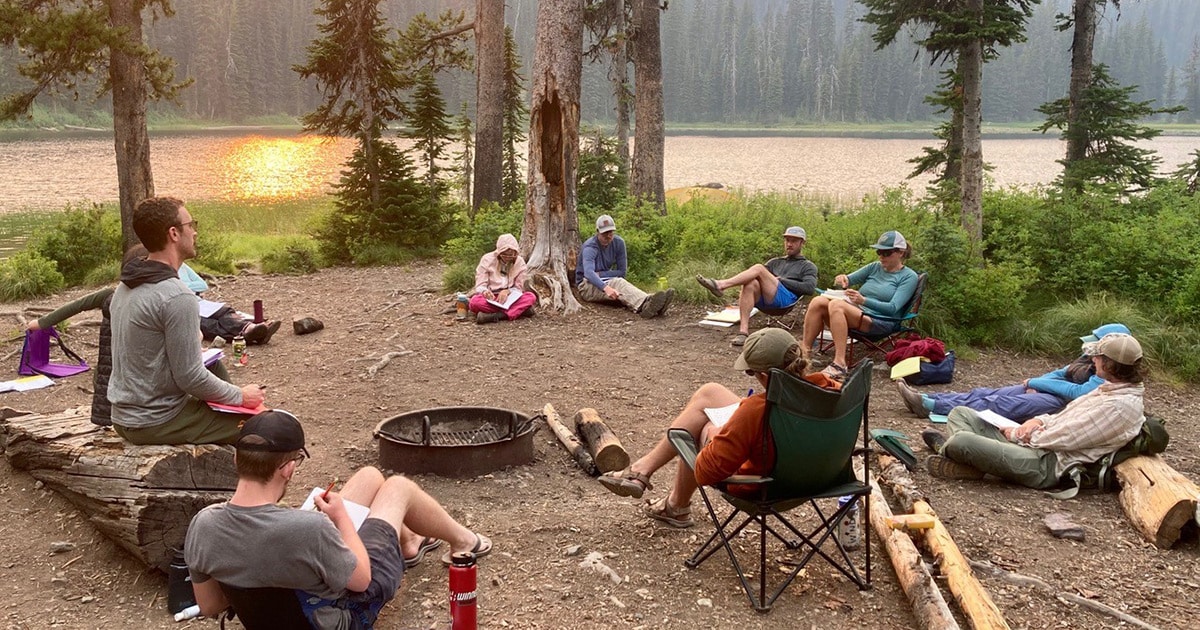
column 1056, row 383
column 885, row 294
column 598, row 263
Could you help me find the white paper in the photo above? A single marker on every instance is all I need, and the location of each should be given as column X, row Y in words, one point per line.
column 834, row 294
column 211, row 356
column 513, row 294
column 26, row 383
column 728, row 315
column 720, row 415
column 207, row 308
column 357, row 512
column 997, row 420
column 715, row 324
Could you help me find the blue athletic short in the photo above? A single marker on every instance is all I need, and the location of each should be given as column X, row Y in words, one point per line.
column 783, row 299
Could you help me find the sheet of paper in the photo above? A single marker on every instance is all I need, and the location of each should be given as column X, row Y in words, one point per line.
column 207, row 308
column 211, row 356
column 834, row 294
column 236, row 409
column 911, row 365
column 997, row 420
column 357, row 512
column 513, row 294
column 26, row 383
column 720, row 415
column 716, row 324
column 729, row 314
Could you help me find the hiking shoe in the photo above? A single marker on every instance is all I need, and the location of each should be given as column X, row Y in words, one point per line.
column 945, row 468
column 488, row 318
column 934, row 439
column 654, row 304
column 529, row 312
column 914, row 401
column 257, row 334
column 849, row 532
column 675, row 517
column 666, row 302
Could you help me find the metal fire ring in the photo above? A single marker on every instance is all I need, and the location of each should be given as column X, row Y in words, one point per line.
column 455, row 441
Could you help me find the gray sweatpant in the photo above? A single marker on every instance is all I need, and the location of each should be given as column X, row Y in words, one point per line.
column 976, row 443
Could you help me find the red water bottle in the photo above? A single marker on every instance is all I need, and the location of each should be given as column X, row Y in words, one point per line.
column 463, row 611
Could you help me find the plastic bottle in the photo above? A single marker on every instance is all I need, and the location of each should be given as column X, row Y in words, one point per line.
column 460, row 306
column 463, row 593
column 239, row 350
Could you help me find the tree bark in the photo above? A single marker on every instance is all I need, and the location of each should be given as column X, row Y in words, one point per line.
column 606, row 450
column 551, row 230
column 142, row 497
column 127, row 75
column 646, row 181
column 1158, row 500
column 971, row 62
column 569, row 441
column 618, row 74
column 489, row 102
column 1082, row 44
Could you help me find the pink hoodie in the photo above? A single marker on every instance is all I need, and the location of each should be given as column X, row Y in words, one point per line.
column 490, row 276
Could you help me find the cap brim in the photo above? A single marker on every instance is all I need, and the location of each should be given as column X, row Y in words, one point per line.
column 1089, row 338
column 607, row 230
column 878, row 246
column 740, row 363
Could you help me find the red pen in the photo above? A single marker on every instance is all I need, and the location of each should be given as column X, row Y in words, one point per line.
column 325, row 496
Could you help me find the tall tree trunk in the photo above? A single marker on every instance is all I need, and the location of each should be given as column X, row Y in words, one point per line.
column 551, row 232
column 618, row 74
column 647, row 177
column 972, row 147
column 135, row 182
column 1082, row 43
column 489, row 102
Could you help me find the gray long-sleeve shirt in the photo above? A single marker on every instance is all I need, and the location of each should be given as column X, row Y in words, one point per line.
column 156, row 355
column 798, row 274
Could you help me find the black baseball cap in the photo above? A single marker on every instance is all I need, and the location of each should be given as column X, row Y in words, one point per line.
column 278, row 430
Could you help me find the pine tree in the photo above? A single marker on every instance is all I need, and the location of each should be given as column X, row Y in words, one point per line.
column 429, row 128
column 516, row 121
column 464, row 158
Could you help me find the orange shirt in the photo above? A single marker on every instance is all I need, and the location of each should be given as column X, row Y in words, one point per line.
column 737, row 448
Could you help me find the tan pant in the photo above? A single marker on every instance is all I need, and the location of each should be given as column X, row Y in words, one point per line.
column 629, row 295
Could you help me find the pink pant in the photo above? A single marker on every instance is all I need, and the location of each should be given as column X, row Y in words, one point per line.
column 479, row 304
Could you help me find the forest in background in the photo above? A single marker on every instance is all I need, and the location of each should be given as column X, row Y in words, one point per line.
column 762, row 62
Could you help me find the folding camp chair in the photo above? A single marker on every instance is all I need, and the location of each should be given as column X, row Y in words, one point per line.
column 786, row 317
column 881, row 344
column 265, row 608
column 815, row 433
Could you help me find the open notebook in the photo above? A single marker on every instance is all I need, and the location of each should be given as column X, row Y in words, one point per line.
column 358, row 512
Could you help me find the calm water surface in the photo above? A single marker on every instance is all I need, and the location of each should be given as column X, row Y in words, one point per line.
column 49, row 172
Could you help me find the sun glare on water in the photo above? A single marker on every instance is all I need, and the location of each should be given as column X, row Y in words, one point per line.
column 264, row 169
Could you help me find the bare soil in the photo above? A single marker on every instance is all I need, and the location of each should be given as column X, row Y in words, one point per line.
column 637, row 373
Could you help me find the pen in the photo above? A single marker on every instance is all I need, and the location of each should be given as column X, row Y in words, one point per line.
column 325, row 496
column 750, row 392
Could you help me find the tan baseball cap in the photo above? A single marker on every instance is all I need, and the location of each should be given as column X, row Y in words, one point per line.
column 1122, row 348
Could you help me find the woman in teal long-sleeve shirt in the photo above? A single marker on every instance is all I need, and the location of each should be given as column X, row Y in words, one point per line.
column 884, row 289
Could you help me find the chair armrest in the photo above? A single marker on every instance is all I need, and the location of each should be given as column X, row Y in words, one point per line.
column 684, row 445
column 747, row 480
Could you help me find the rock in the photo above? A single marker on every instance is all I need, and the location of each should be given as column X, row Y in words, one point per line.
column 61, row 547
column 217, row 342
column 1060, row 526
column 573, row 550
column 704, row 602
column 305, row 324
column 87, row 599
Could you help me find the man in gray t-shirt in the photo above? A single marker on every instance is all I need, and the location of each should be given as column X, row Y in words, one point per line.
column 343, row 571
column 777, row 285
column 159, row 387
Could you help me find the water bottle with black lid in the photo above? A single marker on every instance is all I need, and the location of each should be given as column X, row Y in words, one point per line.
column 179, row 585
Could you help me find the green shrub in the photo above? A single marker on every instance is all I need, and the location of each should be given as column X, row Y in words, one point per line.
column 82, row 239
column 108, row 273
column 28, row 274
column 294, row 256
column 459, row 276
column 213, row 253
column 473, row 239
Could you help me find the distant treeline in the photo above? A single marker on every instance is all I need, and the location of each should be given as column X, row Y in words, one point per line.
column 724, row 61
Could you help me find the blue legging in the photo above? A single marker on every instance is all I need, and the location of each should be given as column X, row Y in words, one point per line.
column 1012, row 402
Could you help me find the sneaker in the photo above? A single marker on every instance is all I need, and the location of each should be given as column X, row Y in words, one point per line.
column 653, row 304
column 849, row 533
column 934, row 439
column 488, row 318
column 945, row 468
column 914, row 401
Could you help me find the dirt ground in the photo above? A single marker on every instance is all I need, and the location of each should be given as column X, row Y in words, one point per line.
column 545, row 517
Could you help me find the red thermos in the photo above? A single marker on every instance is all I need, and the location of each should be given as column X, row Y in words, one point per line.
column 463, row 610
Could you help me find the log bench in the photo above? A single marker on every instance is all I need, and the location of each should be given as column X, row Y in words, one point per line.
column 142, row 497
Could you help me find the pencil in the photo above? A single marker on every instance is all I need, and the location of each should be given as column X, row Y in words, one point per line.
column 325, row 496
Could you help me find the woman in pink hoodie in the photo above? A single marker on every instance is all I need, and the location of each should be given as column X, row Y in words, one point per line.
column 500, row 284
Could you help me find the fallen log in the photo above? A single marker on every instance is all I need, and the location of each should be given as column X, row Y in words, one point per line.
column 142, row 497
column 569, row 441
column 974, row 601
column 924, row 596
column 1157, row 499
column 601, row 442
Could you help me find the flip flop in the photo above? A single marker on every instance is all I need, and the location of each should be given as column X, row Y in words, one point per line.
column 483, row 546
column 626, row 483
column 711, row 285
column 427, row 544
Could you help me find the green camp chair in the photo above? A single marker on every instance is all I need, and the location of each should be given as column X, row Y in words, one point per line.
column 815, row 433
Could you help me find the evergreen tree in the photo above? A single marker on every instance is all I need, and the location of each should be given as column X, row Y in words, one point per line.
column 516, row 121
column 464, row 158
column 429, row 128
column 1191, row 85
column 1107, row 125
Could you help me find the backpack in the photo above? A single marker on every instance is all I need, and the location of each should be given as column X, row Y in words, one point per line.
column 1100, row 475
column 916, row 346
column 35, row 356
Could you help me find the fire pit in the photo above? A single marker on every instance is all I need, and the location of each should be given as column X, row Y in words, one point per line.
column 455, row 441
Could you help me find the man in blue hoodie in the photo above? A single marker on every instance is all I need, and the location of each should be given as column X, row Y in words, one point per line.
column 1048, row 393
column 159, row 386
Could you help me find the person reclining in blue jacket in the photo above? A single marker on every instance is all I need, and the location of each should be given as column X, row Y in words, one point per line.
column 1048, row 393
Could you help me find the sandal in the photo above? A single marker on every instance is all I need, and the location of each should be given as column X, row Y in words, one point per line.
column 675, row 517
column 483, row 546
column 427, row 545
column 739, row 340
column 626, row 483
column 835, row 372
column 711, row 285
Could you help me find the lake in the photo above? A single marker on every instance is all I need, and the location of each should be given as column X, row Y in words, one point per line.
column 51, row 170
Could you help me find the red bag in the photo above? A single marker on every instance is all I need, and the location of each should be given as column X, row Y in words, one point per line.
column 928, row 347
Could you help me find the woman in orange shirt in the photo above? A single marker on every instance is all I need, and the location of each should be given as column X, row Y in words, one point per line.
column 729, row 429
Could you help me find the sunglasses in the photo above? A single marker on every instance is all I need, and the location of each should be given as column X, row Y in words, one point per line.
column 887, row 252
